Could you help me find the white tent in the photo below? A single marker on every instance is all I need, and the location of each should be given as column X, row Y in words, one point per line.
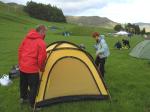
column 122, row 33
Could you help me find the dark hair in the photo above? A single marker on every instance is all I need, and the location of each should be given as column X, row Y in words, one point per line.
column 40, row 27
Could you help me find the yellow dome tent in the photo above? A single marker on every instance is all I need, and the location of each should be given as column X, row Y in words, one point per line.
column 70, row 74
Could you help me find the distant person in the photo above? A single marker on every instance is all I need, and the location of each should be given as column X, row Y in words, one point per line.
column 118, row 45
column 32, row 56
column 102, row 52
column 66, row 34
column 126, row 43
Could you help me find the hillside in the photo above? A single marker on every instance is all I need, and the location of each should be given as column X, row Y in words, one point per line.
column 79, row 20
column 91, row 21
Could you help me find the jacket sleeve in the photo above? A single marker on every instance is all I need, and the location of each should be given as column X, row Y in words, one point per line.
column 42, row 56
column 20, row 52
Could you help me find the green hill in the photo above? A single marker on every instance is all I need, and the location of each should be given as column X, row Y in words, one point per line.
column 14, row 13
column 94, row 21
column 127, row 78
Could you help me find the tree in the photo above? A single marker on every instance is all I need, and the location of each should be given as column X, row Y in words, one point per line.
column 131, row 28
column 44, row 12
column 118, row 27
column 137, row 29
column 143, row 31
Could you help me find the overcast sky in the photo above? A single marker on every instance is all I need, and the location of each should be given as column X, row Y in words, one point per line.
column 122, row 11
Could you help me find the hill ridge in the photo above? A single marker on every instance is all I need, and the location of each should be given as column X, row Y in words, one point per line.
column 91, row 21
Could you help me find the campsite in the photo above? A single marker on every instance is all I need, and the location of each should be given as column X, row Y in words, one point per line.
column 127, row 78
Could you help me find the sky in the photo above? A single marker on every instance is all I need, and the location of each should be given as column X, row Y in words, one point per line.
column 121, row 11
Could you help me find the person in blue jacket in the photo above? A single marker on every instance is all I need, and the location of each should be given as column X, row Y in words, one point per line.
column 102, row 51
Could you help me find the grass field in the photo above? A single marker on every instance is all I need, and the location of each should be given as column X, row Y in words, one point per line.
column 127, row 78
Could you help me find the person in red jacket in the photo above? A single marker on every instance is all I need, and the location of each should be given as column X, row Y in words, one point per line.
column 32, row 56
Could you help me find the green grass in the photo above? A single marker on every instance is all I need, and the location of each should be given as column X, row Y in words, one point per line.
column 87, row 31
column 127, row 78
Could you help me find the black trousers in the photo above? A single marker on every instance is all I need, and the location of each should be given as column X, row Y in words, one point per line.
column 100, row 63
column 29, row 83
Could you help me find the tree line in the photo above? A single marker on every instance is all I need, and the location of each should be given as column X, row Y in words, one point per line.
column 131, row 28
column 44, row 12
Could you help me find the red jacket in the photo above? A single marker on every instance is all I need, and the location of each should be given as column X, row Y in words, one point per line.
column 32, row 53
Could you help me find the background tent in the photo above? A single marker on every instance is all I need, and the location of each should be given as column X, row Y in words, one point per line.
column 141, row 50
column 122, row 33
column 70, row 74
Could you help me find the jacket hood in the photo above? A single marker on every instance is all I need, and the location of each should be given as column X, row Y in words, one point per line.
column 33, row 34
column 102, row 36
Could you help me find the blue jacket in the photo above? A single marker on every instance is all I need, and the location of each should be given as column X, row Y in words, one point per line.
column 102, row 49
